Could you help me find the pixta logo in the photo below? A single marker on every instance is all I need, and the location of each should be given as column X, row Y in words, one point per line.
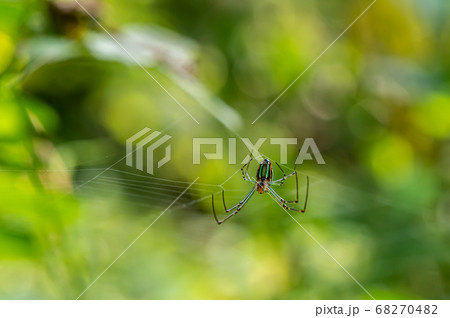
column 142, row 145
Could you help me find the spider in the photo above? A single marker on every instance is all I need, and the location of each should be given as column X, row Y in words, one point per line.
column 263, row 184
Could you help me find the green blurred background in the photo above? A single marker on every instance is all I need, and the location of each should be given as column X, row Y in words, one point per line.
column 377, row 103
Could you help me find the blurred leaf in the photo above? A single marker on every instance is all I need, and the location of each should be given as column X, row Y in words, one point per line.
column 433, row 116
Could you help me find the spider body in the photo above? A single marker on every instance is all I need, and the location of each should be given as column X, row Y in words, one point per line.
column 263, row 184
column 264, row 176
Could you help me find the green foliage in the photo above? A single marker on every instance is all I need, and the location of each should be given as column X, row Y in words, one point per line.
column 377, row 104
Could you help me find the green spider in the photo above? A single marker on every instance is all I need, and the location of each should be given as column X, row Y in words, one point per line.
column 263, row 184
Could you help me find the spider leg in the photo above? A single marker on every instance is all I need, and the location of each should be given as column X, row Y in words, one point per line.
column 245, row 173
column 275, row 183
column 281, row 180
column 296, row 186
column 241, row 205
column 237, row 205
column 284, row 202
column 280, row 198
